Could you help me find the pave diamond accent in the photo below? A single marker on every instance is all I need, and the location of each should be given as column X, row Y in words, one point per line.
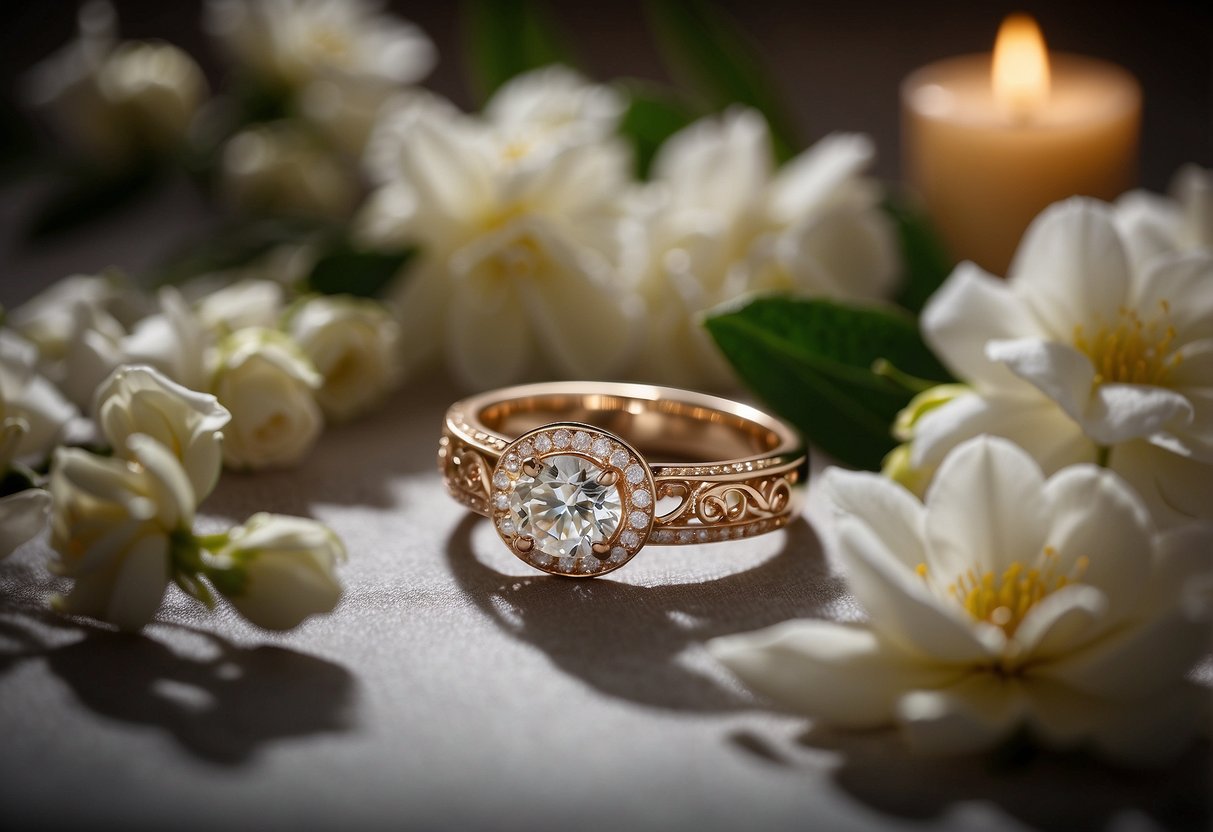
column 564, row 507
column 555, row 518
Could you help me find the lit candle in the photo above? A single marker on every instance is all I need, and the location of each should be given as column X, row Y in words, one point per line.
column 989, row 143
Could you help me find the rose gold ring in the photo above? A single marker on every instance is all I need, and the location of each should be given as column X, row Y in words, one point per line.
column 561, row 470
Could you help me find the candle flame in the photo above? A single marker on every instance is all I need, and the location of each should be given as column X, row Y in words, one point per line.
column 1021, row 67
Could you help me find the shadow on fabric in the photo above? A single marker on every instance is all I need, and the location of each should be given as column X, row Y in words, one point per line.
column 220, row 701
column 626, row 640
column 1057, row 792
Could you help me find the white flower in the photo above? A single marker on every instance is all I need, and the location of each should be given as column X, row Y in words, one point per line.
column 723, row 223
column 279, row 168
column 268, row 386
column 553, row 106
column 284, row 568
column 115, row 99
column 1006, row 602
column 138, row 399
column 527, row 260
column 340, row 58
column 355, row 346
column 113, row 525
column 245, row 303
column 1153, row 225
column 27, row 396
column 1079, row 356
column 171, row 340
column 23, row 512
column 48, row 320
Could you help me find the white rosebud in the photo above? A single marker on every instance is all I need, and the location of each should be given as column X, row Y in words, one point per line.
column 113, row 525
column 48, row 320
column 28, row 396
column 354, row 344
column 279, row 168
column 138, row 399
column 22, row 512
column 285, row 568
column 243, row 304
column 267, row 384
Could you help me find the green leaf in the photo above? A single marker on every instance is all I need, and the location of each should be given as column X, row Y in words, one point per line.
column 706, row 49
column 811, row 361
column 927, row 263
column 507, row 37
column 87, row 195
column 654, row 114
column 346, row 269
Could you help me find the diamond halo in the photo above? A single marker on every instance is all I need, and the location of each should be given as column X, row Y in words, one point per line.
column 572, row 499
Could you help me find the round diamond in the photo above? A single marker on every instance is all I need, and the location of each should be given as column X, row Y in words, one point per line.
column 567, row 564
column 501, row 501
column 620, row 458
column 630, row 539
column 507, row 526
column 543, row 443
column 512, row 463
column 618, row 554
column 525, row 449
column 581, row 441
column 638, row 519
column 641, row 498
column 601, row 447
column 562, row 438
column 564, row 507
column 501, row 479
column 634, row 474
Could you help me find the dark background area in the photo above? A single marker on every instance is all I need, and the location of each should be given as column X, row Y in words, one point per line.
column 838, row 65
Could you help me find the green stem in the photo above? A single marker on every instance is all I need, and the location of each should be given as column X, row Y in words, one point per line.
column 886, row 369
column 1103, row 455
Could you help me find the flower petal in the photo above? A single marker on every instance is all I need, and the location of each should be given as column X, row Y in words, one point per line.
column 1101, row 532
column 972, row 308
column 22, row 515
column 1060, row 622
column 1179, row 288
column 844, row 675
column 1061, row 372
column 176, row 499
column 717, row 163
column 984, row 510
column 892, row 513
column 1032, row 421
column 1135, row 661
column 1175, row 488
column 1071, row 268
column 902, row 609
column 139, row 584
column 1120, row 412
column 978, row 712
column 807, row 182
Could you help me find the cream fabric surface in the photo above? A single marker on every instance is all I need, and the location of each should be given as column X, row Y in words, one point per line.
column 455, row 688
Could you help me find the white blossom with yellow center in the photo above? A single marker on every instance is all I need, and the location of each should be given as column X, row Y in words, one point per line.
column 1006, row 602
column 723, row 221
column 1080, row 356
column 528, row 257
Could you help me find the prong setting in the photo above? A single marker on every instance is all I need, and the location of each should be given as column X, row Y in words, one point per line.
column 567, row 504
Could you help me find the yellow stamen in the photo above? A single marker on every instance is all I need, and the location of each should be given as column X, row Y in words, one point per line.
column 1004, row 600
column 1132, row 351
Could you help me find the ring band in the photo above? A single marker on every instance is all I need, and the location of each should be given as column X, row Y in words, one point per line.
column 561, row 470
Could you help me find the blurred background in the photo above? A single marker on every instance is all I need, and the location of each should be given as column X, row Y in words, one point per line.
column 837, row 65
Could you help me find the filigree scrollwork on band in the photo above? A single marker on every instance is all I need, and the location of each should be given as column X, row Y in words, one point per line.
column 714, row 504
column 466, row 471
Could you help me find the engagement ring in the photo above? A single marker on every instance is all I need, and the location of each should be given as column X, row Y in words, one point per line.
column 563, row 470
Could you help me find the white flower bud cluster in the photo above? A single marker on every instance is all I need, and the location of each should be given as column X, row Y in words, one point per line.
column 280, row 370
column 123, row 525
